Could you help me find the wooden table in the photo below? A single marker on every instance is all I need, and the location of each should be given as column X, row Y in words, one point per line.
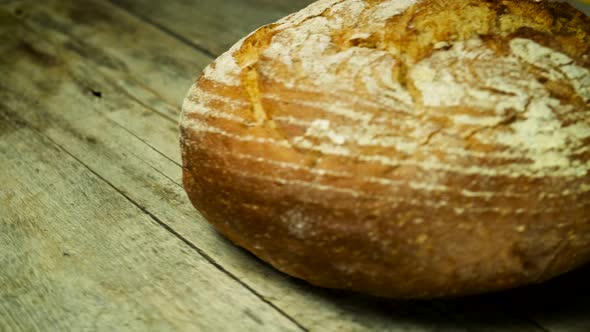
column 96, row 232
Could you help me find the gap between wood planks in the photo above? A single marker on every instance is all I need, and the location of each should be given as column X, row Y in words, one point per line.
column 169, row 32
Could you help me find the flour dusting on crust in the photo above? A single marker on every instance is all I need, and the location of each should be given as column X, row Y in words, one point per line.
column 376, row 106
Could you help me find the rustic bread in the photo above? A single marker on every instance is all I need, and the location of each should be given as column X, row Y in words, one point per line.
column 401, row 148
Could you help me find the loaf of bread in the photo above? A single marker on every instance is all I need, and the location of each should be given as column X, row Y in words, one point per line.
column 401, row 148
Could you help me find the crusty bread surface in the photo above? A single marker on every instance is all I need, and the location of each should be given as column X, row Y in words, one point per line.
column 401, row 148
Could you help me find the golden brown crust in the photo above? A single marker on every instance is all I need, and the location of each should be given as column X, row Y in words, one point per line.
column 401, row 148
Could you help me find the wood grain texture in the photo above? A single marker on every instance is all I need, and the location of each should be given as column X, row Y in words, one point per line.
column 77, row 256
column 128, row 136
column 220, row 23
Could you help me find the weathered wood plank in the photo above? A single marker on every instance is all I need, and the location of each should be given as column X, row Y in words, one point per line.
column 221, row 23
column 77, row 255
column 213, row 26
column 135, row 60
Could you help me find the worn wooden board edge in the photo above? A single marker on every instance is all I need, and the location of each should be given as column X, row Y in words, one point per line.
column 220, row 23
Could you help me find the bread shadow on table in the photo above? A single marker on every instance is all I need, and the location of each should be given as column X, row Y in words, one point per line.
column 564, row 298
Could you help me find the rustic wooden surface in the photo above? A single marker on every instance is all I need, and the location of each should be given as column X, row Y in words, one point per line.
column 95, row 230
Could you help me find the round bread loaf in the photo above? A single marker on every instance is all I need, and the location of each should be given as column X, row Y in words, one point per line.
column 401, row 148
